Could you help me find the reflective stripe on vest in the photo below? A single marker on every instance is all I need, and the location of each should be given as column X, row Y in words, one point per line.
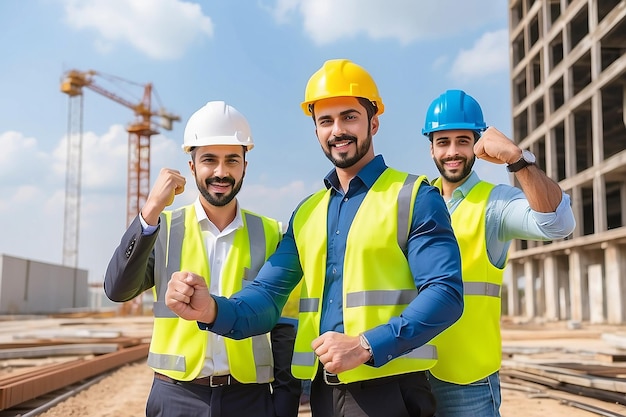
column 168, row 250
column 404, row 210
column 422, row 352
column 481, row 288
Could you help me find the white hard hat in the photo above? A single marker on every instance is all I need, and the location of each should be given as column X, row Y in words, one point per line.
column 217, row 123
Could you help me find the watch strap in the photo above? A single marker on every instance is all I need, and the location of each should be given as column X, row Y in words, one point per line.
column 521, row 163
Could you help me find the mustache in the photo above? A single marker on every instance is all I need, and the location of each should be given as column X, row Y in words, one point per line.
column 221, row 180
column 454, row 158
column 341, row 138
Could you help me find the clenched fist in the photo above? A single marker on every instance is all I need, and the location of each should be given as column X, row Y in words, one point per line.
column 187, row 295
column 494, row 146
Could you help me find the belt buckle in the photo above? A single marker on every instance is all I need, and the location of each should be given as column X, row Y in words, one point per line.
column 218, row 384
column 331, row 379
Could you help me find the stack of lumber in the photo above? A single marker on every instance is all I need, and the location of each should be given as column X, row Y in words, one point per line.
column 39, row 355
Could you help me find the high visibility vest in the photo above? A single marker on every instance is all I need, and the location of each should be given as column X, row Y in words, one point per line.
column 470, row 349
column 178, row 346
column 377, row 284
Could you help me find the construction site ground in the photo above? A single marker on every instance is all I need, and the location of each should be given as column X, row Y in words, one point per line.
column 123, row 392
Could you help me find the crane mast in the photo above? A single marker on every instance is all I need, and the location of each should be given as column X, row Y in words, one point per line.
column 139, row 131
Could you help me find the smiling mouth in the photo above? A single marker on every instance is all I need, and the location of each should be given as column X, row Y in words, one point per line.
column 341, row 144
column 453, row 164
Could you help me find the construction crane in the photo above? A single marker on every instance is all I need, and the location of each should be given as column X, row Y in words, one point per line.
column 140, row 132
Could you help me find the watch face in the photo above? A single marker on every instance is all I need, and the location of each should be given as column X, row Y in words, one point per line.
column 528, row 156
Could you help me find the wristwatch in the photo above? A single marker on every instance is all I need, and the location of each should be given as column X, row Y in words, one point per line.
column 366, row 345
column 528, row 158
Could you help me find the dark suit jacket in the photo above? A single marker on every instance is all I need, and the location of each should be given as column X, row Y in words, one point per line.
column 131, row 269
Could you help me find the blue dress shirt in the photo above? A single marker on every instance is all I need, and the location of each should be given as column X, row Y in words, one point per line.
column 433, row 255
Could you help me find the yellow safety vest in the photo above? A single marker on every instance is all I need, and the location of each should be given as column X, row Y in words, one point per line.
column 178, row 346
column 378, row 283
column 470, row 349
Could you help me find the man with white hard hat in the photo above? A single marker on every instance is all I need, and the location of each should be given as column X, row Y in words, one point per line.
column 197, row 373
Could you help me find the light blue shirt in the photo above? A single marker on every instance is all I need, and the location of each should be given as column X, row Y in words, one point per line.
column 509, row 217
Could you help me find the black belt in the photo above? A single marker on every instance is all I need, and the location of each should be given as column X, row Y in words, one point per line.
column 332, row 379
column 210, row 381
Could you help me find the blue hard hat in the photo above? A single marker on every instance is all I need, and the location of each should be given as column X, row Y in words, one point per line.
column 454, row 110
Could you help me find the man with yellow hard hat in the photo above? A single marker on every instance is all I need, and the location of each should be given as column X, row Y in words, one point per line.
column 379, row 265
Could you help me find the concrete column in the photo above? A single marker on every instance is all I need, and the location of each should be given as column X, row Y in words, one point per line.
column 578, row 288
column 596, row 294
column 551, row 284
column 615, row 266
column 529, row 288
column 510, row 277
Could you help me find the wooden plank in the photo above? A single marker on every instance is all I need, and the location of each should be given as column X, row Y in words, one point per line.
column 570, row 376
column 59, row 350
column 29, row 388
column 610, row 357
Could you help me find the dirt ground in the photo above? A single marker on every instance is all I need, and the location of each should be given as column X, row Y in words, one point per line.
column 124, row 392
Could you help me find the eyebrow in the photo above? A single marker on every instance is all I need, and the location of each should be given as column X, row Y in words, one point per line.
column 343, row 113
column 455, row 137
column 230, row 155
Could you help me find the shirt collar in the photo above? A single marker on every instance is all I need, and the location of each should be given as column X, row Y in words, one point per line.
column 368, row 174
column 462, row 190
column 205, row 223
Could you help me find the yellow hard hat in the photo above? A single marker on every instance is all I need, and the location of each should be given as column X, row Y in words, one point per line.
column 341, row 78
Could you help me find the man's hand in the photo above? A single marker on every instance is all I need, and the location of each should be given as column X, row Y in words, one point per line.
column 339, row 352
column 169, row 183
column 188, row 296
column 494, row 146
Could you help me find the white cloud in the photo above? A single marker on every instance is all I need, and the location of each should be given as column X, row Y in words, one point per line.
column 489, row 55
column 283, row 10
column 162, row 29
column 16, row 149
column 326, row 21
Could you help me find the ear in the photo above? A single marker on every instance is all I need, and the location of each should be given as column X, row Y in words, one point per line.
column 374, row 125
column 192, row 168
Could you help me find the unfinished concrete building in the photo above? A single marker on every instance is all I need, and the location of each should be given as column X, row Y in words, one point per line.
column 568, row 80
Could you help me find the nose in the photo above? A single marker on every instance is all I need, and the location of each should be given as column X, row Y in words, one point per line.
column 338, row 128
column 452, row 150
column 221, row 170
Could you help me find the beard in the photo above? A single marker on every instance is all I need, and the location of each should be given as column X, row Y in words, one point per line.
column 454, row 178
column 218, row 199
column 343, row 159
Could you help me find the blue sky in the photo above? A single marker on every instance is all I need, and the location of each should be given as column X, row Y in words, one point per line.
column 257, row 55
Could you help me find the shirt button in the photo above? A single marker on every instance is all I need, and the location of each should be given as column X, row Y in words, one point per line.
column 345, row 199
column 389, row 357
column 337, row 232
column 330, row 301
